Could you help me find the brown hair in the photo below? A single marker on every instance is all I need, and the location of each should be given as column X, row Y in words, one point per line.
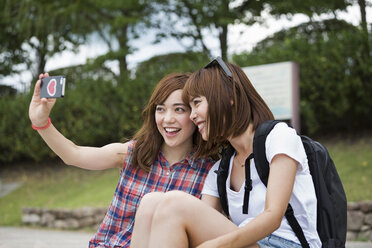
column 233, row 103
column 148, row 139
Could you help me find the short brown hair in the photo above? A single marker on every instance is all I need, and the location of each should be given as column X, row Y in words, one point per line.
column 233, row 103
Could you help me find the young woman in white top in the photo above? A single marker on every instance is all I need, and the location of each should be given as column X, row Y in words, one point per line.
column 227, row 108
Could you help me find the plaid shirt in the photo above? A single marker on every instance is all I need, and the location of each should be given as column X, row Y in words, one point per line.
column 187, row 175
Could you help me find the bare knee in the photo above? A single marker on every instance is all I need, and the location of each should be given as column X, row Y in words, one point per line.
column 143, row 219
column 152, row 199
column 173, row 204
column 148, row 205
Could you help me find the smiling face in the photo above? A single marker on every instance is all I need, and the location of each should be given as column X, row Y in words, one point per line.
column 199, row 115
column 173, row 122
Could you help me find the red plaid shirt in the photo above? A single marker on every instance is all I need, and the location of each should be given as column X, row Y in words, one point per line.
column 188, row 175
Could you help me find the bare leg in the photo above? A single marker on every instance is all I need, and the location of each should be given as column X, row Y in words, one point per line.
column 182, row 220
column 143, row 219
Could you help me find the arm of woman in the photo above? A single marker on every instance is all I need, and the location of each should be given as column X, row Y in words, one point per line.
column 279, row 190
column 210, row 192
column 93, row 158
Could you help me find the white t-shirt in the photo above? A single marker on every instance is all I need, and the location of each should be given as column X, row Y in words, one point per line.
column 281, row 140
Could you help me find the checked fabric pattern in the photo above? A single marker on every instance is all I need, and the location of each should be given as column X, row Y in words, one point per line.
column 188, row 175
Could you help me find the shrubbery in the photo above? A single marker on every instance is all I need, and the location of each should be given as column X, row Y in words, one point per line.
column 96, row 110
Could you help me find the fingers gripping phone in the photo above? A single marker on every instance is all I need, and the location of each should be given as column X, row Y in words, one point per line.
column 52, row 87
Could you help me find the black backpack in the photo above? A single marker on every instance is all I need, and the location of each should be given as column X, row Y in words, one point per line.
column 331, row 198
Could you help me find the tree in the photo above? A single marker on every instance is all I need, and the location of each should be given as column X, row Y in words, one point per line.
column 194, row 19
column 34, row 31
column 42, row 29
column 116, row 23
column 11, row 52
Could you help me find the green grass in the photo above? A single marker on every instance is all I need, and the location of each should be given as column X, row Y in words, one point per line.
column 57, row 185
column 353, row 160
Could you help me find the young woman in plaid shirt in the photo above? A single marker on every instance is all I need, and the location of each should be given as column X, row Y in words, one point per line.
column 160, row 157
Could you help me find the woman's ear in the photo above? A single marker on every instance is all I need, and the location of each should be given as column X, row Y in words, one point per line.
column 232, row 102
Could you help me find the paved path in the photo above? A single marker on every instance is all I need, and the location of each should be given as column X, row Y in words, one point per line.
column 6, row 188
column 13, row 237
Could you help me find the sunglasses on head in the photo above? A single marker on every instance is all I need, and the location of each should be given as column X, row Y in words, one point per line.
column 222, row 64
column 218, row 60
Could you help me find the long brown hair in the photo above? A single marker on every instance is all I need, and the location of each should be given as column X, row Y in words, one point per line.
column 233, row 103
column 148, row 139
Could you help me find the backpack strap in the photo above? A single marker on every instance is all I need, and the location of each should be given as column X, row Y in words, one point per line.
column 222, row 173
column 262, row 167
column 259, row 149
column 248, row 183
column 292, row 221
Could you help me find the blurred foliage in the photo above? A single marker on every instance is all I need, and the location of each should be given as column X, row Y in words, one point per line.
column 309, row 8
column 157, row 67
column 7, row 90
column 33, row 31
column 117, row 24
column 335, row 73
column 194, row 22
column 95, row 111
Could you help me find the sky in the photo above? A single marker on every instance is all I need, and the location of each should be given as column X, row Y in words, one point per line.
column 241, row 38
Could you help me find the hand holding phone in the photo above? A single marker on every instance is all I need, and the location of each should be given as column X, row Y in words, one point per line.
column 52, row 87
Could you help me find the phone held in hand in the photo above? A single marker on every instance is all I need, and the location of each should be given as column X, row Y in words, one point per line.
column 52, row 87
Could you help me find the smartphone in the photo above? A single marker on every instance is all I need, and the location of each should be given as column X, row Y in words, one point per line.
column 53, row 87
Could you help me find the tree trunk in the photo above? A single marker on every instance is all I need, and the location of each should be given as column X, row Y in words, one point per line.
column 363, row 23
column 123, row 66
column 123, row 42
column 40, row 58
column 223, row 32
column 223, row 41
column 362, row 6
column 41, row 65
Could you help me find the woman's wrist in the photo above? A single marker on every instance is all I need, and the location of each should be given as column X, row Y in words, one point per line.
column 42, row 127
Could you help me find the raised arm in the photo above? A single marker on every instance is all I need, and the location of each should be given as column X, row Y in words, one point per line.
column 93, row 158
